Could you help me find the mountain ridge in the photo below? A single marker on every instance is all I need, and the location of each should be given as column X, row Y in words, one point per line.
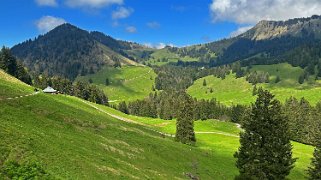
column 69, row 51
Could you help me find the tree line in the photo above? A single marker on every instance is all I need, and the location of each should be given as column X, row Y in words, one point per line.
column 165, row 105
column 79, row 89
column 12, row 66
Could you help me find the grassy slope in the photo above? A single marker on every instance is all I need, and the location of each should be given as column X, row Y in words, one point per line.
column 158, row 55
column 126, row 84
column 11, row 87
column 228, row 91
column 231, row 90
column 222, row 144
column 72, row 140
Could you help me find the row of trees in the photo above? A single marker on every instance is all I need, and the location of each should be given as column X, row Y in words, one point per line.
column 165, row 105
column 258, row 77
column 13, row 67
column 79, row 89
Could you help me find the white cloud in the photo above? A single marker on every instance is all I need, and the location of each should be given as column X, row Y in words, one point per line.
column 52, row 3
column 121, row 13
column 47, row 23
column 240, row 30
column 158, row 45
column 92, row 3
column 153, row 25
column 131, row 29
column 252, row 11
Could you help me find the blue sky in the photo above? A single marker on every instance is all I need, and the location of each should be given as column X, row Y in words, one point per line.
column 150, row 22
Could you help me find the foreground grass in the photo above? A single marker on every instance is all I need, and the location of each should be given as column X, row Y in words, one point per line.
column 238, row 91
column 220, row 139
column 126, row 84
column 73, row 140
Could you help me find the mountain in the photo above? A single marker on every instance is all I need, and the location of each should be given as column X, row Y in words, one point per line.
column 70, row 51
column 270, row 40
column 298, row 27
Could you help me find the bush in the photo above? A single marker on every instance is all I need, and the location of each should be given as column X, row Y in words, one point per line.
column 32, row 170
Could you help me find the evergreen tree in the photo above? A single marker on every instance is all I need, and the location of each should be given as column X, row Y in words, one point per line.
column 278, row 79
column 185, row 123
column 314, row 170
column 7, row 61
column 254, row 91
column 204, row 82
column 123, row 107
column 107, row 82
column 265, row 151
column 301, row 79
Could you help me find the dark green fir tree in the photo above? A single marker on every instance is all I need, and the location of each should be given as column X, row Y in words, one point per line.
column 185, row 123
column 314, row 170
column 265, row 151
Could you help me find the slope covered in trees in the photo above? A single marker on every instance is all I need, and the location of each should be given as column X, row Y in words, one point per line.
column 69, row 51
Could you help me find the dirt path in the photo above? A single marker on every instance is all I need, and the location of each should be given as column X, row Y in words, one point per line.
column 127, row 120
column 149, row 127
column 17, row 97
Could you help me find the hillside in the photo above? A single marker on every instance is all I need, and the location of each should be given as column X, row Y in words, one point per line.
column 12, row 87
column 70, row 51
column 269, row 40
column 238, row 91
column 125, row 84
column 73, row 139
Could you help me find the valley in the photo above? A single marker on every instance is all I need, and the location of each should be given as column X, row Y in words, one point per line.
column 55, row 130
column 77, row 103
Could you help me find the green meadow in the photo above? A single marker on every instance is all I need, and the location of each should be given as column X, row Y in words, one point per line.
column 126, row 84
column 220, row 139
column 238, row 91
column 73, row 140
column 164, row 56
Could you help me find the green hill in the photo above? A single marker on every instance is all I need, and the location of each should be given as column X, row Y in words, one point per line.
column 74, row 139
column 238, row 91
column 220, row 141
column 12, row 87
column 164, row 56
column 126, row 84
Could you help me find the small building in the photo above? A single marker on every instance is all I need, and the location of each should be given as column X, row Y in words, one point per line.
column 49, row 90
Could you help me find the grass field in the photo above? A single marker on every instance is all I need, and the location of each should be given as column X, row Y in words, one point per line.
column 11, row 87
column 126, row 84
column 73, row 140
column 220, row 139
column 158, row 56
column 238, row 91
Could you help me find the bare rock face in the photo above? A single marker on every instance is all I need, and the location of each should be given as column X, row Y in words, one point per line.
column 295, row 27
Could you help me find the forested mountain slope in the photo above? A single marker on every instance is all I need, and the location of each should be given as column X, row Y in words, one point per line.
column 70, row 51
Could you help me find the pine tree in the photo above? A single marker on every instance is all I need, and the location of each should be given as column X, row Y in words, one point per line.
column 7, row 61
column 265, row 151
column 107, row 82
column 254, row 91
column 204, row 82
column 277, row 79
column 185, row 123
column 314, row 170
column 123, row 107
